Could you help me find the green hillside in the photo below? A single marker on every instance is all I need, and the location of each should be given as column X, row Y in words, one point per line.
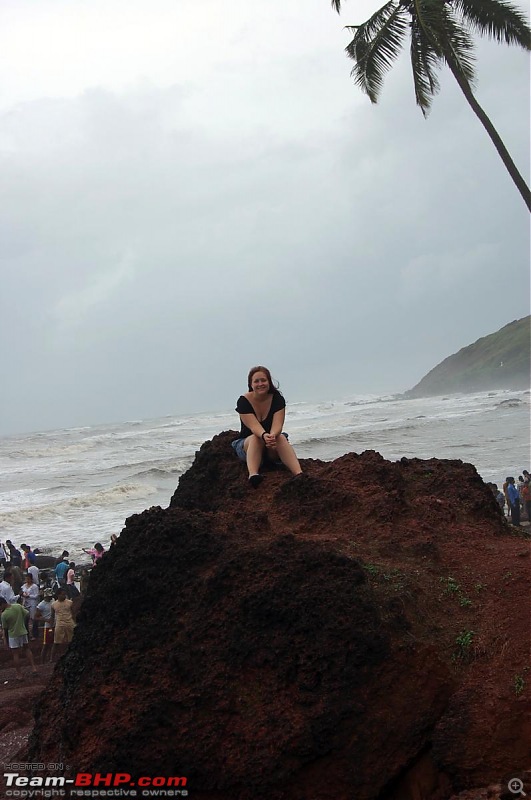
column 498, row 361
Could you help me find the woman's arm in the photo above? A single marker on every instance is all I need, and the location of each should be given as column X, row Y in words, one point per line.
column 250, row 421
column 278, row 422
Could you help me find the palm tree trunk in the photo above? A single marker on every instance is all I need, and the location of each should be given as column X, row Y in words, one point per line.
column 511, row 167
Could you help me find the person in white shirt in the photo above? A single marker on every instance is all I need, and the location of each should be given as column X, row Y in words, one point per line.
column 6, row 588
column 30, row 593
column 34, row 574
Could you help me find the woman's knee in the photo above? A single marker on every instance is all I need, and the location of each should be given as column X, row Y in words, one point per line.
column 282, row 445
column 253, row 442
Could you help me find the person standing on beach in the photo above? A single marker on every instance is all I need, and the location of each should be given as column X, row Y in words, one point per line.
column 64, row 554
column 71, row 589
column 33, row 570
column 18, row 579
column 60, row 571
column 262, row 412
column 498, row 496
column 29, row 556
column 14, row 618
column 15, row 558
column 526, row 499
column 507, row 501
column 45, row 612
column 6, row 588
column 514, row 500
column 84, row 581
column 30, row 593
column 64, row 624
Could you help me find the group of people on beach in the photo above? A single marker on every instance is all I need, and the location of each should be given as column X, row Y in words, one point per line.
column 515, row 497
column 27, row 607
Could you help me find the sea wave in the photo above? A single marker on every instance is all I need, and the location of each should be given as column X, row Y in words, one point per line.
column 164, row 472
column 370, row 401
column 111, row 497
column 51, row 450
column 463, row 445
column 68, row 486
column 360, row 434
column 154, row 466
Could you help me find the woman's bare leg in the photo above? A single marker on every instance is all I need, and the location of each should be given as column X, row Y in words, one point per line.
column 254, row 447
column 286, row 453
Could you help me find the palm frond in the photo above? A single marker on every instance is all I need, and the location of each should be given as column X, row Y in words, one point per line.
column 424, row 62
column 446, row 35
column 376, row 45
column 336, row 4
column 459, row 46
column 497, row 19
column 428, row 15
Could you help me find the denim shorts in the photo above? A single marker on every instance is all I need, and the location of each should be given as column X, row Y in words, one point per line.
column 237, row 446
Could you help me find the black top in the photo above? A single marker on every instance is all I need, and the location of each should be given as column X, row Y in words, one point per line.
column 243, row 406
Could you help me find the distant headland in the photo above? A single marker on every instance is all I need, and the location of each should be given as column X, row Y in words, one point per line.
column 500, row 360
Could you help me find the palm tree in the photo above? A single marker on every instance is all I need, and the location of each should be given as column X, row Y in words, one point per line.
column 440, row 32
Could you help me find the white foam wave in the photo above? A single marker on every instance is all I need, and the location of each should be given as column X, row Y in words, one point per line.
column 165, row 471
column 111, row 497
column 69, row 486
column 52, row 450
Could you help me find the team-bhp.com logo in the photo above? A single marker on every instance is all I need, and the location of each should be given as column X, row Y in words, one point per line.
column 96, row 785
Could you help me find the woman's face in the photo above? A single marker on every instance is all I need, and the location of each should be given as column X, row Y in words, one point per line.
column 259, row 383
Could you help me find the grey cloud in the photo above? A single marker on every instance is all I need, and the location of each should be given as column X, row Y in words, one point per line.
column 151, row 250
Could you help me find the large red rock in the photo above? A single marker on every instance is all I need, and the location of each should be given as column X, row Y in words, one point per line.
column 360, row 631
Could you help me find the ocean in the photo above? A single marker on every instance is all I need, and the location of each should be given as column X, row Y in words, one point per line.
column 66, row 489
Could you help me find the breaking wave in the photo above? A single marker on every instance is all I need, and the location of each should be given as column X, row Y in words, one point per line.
column 111, row 497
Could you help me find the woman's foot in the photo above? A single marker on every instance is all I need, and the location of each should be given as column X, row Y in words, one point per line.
column 255, row 480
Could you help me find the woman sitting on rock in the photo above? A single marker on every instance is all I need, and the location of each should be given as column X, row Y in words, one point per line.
column 262, row 410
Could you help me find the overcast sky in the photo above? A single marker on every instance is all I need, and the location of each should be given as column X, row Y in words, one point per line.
column 189, row 189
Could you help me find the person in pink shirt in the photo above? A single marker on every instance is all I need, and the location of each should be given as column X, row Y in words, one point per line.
column 96, row 552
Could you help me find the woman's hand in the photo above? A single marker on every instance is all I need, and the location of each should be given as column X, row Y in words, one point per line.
column 270, row 439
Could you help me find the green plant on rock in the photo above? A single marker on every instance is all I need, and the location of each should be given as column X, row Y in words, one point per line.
column 453, row 588
column 464, row 642
column 451, row 585
column 396, row 578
